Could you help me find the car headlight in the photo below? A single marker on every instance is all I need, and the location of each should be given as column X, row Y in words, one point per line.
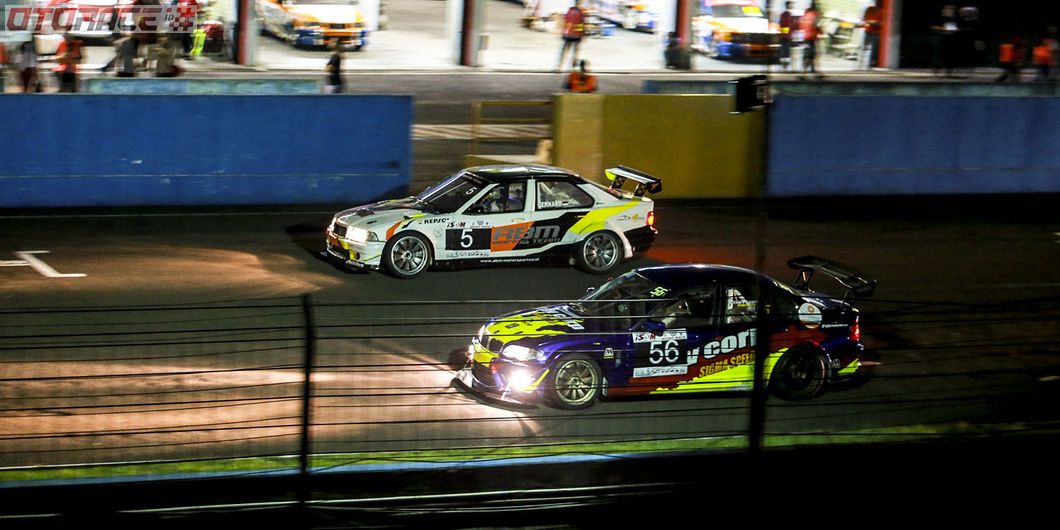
column 360, row 235
column 522, row 353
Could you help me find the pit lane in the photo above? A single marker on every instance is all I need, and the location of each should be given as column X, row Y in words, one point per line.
column 965, row 317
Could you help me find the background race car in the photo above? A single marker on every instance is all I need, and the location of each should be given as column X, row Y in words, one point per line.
column 735, row 29
column 502, row 213
column 675, row 329
column 314, row 23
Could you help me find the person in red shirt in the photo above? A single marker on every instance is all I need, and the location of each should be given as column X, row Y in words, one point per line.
column 68, row 55
column 573, row 31
column 788, row 24
column 872, row 23
column 808, row 24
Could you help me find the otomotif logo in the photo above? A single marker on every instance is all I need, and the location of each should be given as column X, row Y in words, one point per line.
column 81, row 18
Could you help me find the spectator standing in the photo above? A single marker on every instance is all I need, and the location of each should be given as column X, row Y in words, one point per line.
column 27, row 67
column 581, row 81
column 333, row 83
column 872, row 22
column 676, row 53
column 188, row 11
column 1007, row 53
column 573, row 31
column 68, row 56
column 808, row 23
column 946, row 35
column 166, row 58
column 126, row 49
column 788, row 25
column 1042, row 56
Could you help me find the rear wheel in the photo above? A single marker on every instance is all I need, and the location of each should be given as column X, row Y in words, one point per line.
column 798, row 375
column 599, row 253
column 575, row 382
column 406, row 255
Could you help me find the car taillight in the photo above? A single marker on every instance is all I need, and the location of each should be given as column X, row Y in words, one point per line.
column 855, row 331
column 651, row 218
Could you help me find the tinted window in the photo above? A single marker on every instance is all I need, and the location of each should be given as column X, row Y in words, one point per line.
column 740, row 307
column 502, row 198
column 561, row 195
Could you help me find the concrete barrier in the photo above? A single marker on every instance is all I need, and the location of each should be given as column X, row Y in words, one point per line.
column 822, row 146
column 852, row 88
column 692, row 142
column 150, row 85
column 108, row 150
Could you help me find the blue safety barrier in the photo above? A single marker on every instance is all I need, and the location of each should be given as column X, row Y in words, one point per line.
column 821, row 146
column 191, row 85
column 103, row 150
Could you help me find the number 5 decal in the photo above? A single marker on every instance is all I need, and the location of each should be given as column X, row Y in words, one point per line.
column 465, row 238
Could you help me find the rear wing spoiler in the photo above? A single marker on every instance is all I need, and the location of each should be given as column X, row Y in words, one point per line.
column 855, row 282
column 645, row 182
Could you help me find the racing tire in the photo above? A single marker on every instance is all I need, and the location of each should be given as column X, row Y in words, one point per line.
column 407, row 255
column 599, row 253
column 798, row 375
column 574, row 383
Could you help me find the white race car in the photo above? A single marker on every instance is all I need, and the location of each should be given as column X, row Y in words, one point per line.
column 498, row 214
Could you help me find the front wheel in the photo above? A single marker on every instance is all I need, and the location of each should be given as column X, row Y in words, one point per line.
column 599, row 253
column 798, row 375
column 575, row 382
column 406, row 255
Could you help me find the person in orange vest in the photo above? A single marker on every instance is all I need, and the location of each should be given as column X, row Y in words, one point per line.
column 1006, row 58
column 1042, row 56
column 581, row 81
column 68, row 55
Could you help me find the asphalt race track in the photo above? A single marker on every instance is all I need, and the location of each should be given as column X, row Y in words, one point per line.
column 965, row 318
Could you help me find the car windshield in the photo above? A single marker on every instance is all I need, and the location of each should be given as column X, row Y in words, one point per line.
column 736, row 12
column 625, row 299
column 452, row 193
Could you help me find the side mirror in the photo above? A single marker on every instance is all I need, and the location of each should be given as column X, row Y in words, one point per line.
column 654, row 326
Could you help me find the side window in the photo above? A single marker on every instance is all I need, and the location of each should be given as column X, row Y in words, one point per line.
column 561, row 195
column 740, row 307
column 787, row 308
column 694, row 309
column 503, row 198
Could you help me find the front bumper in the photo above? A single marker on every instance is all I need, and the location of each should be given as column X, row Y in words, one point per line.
column 749, row 51
column 491, row 376
column 351, row 253
column 316, row 37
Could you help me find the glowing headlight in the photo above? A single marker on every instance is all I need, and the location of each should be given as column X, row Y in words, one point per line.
column 521, row 353
column 360, row 235
column 520, row 381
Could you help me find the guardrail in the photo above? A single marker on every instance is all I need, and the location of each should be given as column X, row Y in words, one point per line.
column 487, row 127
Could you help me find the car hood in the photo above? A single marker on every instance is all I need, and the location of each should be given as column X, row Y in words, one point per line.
column 534, row 327
column 742, row 24
column 382, row 213
column 331, row 14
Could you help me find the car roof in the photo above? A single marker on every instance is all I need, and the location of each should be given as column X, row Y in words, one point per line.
column 505, row 172
column 686, row 275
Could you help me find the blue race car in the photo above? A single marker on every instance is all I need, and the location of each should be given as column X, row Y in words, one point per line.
column 674, row 329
